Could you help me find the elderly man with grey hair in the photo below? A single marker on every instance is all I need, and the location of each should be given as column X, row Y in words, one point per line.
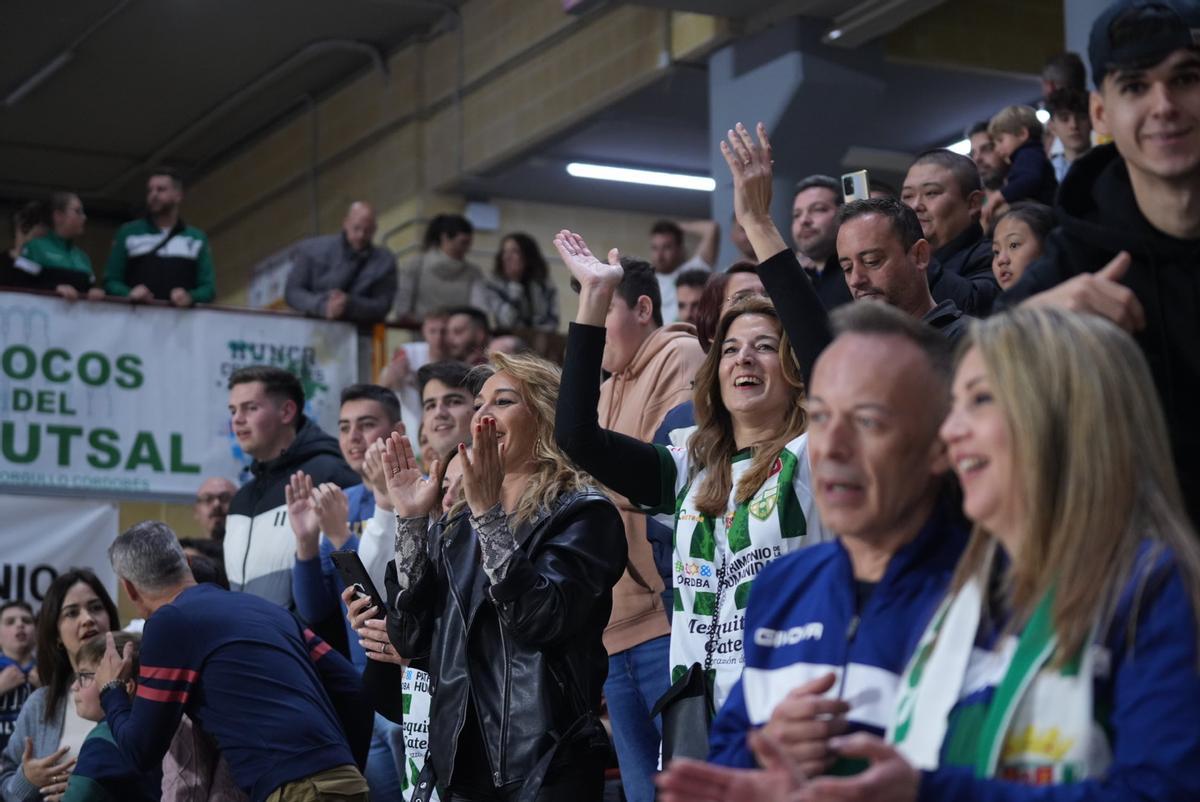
column 286, row 711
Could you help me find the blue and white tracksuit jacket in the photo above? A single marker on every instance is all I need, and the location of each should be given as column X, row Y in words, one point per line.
column 801, row 623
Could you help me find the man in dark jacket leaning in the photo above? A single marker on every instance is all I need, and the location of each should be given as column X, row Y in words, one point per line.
column 1128, row 243
column 266, row 408
column 343, row 276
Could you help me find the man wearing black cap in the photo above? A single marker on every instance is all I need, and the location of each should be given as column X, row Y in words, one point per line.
column 1128, row 245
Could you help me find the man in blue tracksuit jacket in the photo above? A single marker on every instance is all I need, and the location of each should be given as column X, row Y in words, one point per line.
column 804, row 620
column 854, row 608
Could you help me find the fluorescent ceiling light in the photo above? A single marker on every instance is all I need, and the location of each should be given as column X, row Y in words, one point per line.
column 1043, row 116
column 652, row 178
column 961, row 147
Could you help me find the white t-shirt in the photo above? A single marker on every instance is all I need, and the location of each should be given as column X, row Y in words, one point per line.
column 780, row 518
column 666, row 287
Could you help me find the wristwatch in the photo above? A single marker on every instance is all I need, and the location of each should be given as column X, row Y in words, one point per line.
column 111, row 684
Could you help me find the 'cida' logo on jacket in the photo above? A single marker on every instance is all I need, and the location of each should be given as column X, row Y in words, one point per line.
column 786, row 637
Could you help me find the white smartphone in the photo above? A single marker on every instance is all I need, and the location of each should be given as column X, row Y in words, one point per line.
column 855, row 186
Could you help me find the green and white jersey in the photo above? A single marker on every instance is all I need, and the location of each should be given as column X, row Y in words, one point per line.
column 780, row 518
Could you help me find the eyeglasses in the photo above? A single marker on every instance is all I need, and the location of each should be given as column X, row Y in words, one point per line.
column 223, row 498
column 84, row 678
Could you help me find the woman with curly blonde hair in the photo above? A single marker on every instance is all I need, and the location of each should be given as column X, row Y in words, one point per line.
column 504, row 599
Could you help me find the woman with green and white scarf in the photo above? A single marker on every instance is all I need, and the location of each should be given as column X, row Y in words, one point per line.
column 1063, row 666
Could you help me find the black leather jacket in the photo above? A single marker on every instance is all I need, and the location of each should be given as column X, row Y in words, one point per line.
column 527, row 651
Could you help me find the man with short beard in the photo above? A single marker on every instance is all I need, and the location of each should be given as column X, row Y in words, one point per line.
column 992, row 168
column 160, row 256
column 814, row 233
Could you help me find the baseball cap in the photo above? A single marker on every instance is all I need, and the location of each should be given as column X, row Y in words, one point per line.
column 1140, row 33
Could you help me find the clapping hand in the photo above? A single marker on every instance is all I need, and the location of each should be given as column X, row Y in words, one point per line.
column 411, row 493
column 803, row 723
column 482, row 467
column 686, row 780
column 888, row 778
column 374, row 474
column 333, row 511
column 302, row 512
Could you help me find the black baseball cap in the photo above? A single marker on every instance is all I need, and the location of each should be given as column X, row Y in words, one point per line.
column 1141, row 33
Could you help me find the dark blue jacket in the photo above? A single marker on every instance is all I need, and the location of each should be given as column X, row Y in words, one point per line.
column 103, row 774
column 1031, row 176
column 280, row 703
column 802, row 622
column 316, row 586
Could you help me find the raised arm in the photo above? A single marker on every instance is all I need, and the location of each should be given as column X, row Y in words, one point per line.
column 628, row 466
column 709, row 233
column 800, row 310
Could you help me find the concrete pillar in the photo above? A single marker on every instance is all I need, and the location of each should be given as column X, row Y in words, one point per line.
column 804, row 91
column 1078, row 16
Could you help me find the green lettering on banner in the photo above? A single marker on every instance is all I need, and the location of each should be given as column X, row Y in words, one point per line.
column 8, row 362
column 177, row 463
column 33, row 443
column 48, row 365
column 130, row 369
column 22, row 400
column 144, row 451
column 97, row 440
column 64, row 435
column 104, row 370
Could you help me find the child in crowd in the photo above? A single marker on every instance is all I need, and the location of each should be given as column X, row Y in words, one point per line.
column 1017, row 135
column 18, row 674
column 1071, row 128
column 103, row 774
column 1017, row 239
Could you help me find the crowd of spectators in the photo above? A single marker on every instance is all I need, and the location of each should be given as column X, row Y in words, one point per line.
column 902, row 509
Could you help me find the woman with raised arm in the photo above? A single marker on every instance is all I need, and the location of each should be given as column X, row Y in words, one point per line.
column 738, row 496
column 504, row 599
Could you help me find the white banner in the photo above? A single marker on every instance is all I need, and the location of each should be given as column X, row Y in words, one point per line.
column 415, row 695
column 44, row 537
column 109, row 399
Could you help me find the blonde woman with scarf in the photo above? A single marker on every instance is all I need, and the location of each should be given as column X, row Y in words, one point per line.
column 1063, row 666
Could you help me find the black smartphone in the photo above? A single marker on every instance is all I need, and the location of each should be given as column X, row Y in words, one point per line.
column 354, row 575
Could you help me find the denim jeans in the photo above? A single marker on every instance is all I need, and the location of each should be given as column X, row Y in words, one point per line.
column 637, row 678
column 385, row 761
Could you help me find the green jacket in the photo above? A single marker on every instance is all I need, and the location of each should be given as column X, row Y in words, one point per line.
column 51, row 260
column 142, row 254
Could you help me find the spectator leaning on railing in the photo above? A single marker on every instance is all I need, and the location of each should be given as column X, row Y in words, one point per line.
column 160, row 257
column 343, row 276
